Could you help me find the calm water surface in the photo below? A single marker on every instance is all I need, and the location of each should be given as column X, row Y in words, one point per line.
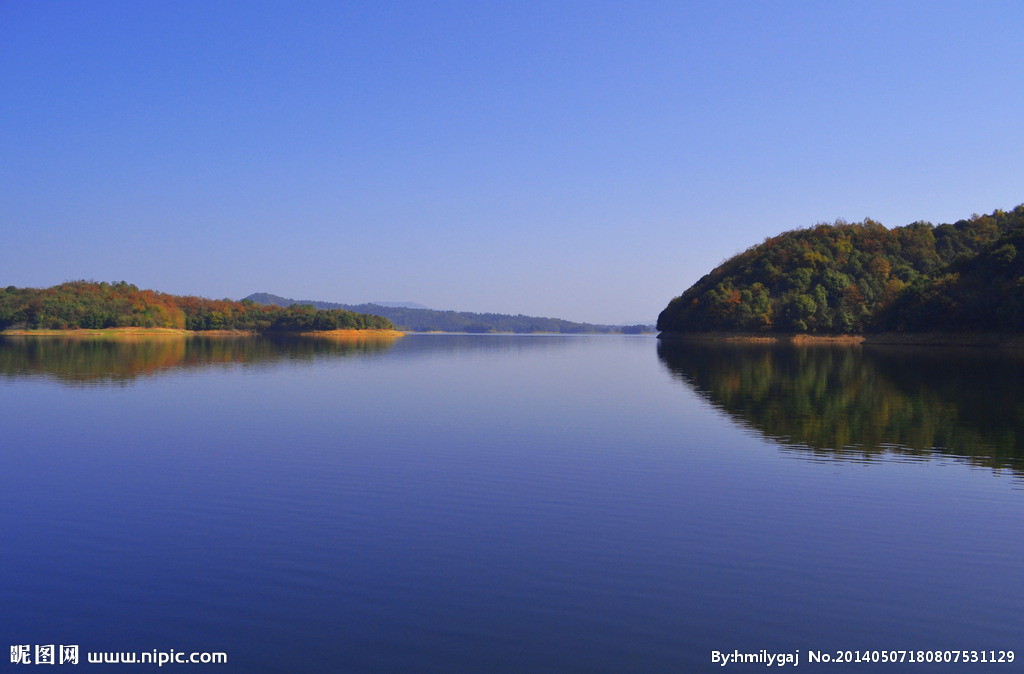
column 447, row 503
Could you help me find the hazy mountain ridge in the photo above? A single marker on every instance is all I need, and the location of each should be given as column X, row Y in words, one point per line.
column 400, row 305
column 434, row 320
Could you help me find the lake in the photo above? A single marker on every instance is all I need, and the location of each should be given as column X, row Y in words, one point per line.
column 499, row 503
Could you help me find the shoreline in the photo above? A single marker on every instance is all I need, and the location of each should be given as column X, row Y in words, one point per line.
column 349, row 333
column 85, row 333
column 758, row 338
column 971, row 339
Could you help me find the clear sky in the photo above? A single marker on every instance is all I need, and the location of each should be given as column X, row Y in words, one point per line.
column 587, row 160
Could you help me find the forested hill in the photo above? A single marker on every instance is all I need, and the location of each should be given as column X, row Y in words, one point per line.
column 86, row 304
column 429, row 320
column 863, row 277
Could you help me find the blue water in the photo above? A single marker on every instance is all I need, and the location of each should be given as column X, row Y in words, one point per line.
column 487, row 503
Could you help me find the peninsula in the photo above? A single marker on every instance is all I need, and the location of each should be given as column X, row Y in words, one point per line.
column 918, row 283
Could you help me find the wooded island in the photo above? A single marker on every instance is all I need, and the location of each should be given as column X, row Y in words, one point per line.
column 87, row 305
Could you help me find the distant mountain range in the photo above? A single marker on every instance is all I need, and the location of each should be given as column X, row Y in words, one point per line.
column 417, row 318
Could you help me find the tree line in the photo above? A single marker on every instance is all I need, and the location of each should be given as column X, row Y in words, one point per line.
column 863, row 277
column 87, row 304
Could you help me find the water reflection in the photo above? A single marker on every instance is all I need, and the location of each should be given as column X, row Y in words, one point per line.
column 85, row 361
column 864, row 402
column 101, row 360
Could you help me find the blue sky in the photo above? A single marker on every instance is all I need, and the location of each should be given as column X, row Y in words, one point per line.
column 586, row 160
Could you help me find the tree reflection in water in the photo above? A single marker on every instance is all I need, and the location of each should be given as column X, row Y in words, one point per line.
column 87, row 361
column 863, row 402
